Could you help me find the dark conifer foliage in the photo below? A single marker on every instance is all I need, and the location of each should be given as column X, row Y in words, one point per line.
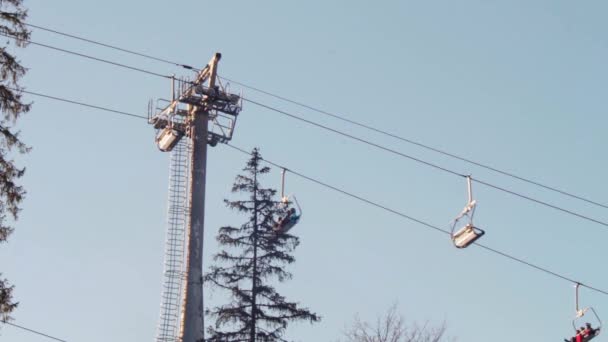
column 12, row 16
column 252, row 258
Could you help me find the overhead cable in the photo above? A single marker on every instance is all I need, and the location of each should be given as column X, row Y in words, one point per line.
column 528, row 198
column 336, row 116
column 375, row 204
column 367, row 142
column 350, row 136
column 82, row 104
column 29, row 41
column 346, row 135
column 113, row 47
column 421, row 222
column 419, row 144
column 32, row 331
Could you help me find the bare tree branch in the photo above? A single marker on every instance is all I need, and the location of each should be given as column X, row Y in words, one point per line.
column 391, row 327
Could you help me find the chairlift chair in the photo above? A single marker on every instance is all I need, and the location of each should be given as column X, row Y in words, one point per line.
column 468, row 234
column 580, row 313
column 288, row 221
column 167, row 138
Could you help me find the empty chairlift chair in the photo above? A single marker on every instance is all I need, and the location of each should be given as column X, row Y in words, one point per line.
column 169, row 123
column 467, row 233
column 167, row 138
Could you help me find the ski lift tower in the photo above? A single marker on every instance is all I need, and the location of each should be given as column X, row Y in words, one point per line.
column 200, row 112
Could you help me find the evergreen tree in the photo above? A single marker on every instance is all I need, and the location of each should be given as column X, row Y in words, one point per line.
column 252, row 256
column 12, row 15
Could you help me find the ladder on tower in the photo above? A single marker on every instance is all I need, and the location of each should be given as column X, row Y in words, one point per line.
column 174, row 274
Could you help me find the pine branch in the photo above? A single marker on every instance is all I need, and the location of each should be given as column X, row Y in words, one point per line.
column 6, row 300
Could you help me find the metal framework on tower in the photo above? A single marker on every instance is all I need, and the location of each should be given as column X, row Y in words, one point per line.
column 172, row 121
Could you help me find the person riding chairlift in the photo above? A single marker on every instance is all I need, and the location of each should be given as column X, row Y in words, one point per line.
column 584, row 334
column 287, row 222
column 589, row 333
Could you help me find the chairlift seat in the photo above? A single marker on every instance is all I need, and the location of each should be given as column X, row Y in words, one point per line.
column 290, row 224
column 286, row 223
column 467, row 235
column 168, row 138
column 591, row 336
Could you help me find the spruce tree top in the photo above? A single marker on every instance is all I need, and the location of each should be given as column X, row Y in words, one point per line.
column 253, row 258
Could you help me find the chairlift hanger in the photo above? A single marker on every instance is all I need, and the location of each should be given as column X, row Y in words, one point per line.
column 580, row 312
column 468, row 234
column 284, row 199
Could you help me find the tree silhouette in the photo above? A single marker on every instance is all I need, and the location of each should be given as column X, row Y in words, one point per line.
column 252, row 257
column 12, row 15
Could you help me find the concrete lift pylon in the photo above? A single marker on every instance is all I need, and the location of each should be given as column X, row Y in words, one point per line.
column 187, row 115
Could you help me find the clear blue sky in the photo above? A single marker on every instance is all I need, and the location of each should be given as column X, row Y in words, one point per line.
column 520, row 85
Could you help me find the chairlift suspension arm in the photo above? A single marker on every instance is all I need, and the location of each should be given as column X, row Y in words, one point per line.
column 576, row 296
column 470, row 188
column 470, row 207
column 576, row 286
column 283, row 184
